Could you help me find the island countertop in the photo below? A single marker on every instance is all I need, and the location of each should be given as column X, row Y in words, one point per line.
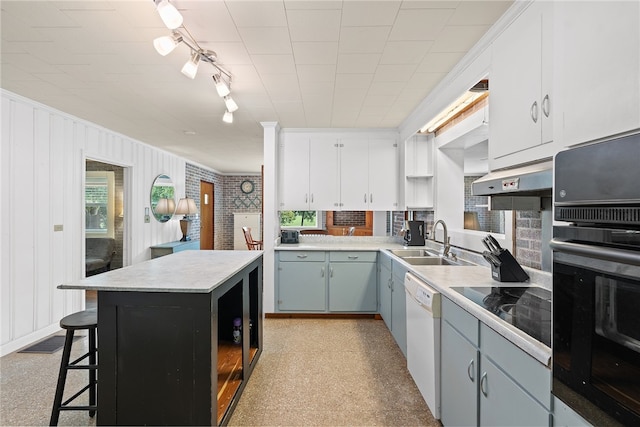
column 185, row 272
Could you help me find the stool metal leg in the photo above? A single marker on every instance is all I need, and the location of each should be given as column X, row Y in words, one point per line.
column 62, row 378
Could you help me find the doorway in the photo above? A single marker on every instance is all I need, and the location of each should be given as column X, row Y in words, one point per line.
column 206, row 215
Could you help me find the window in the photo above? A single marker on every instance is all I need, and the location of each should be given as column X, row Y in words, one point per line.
column 297, row 219
column 99, row 198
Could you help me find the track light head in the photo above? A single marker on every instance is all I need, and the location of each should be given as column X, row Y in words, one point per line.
column 221, row 86
column 169, row 14
column 230, row 103
column 228, row 117
column 166, row 44
column 190, row 68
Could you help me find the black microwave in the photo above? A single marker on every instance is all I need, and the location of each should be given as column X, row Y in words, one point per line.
column 289, row 236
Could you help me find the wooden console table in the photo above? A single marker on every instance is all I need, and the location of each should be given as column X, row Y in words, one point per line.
column 165, row 328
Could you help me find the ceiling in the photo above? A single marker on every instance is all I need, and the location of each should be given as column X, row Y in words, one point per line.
column 304, row 64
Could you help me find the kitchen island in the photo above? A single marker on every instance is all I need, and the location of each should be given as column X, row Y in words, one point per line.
column 166, row 337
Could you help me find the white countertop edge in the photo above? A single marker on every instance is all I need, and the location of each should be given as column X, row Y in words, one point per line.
column 195, row 271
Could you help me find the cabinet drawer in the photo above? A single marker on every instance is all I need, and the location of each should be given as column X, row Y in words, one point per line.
column 348, row 256
column 530, row 374
column 464, row 322
column 301, row 255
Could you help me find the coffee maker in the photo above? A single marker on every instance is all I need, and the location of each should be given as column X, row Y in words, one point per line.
column 414, row 234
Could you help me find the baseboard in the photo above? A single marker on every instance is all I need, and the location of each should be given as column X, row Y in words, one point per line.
column 322, row 316
column 27, row 340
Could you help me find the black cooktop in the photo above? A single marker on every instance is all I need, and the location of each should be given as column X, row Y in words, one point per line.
column 526, row 308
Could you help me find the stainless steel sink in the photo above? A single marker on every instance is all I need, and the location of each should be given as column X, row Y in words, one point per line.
column 432, row 260
column 412, row 252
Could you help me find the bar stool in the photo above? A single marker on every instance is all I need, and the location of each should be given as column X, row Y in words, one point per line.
column 87, row 319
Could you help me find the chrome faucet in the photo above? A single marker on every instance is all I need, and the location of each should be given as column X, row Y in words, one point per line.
column 447, row 245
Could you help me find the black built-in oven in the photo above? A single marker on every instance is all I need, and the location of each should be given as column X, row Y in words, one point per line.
column 596, row 281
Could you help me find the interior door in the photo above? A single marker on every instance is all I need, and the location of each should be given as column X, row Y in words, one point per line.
column 206, row 215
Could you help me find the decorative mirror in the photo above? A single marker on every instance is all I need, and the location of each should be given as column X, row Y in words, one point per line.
column 163, row 202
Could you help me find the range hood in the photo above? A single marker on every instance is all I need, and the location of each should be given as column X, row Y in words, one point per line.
column 516, row 189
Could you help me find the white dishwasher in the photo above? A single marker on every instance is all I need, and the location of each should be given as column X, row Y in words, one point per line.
column 423, row 339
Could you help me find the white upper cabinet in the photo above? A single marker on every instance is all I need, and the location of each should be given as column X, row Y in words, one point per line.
column 368, row 174
column 309, row 174
column 326, row 172
column 521, row 98
column 597, row 67
column 418, row 171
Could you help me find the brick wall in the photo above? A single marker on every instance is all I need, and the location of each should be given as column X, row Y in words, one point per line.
column 349, row 218
column 228, row 199
column 118, row 221
column 529, row 238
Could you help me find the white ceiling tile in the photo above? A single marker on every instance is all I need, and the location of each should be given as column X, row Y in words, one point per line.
column 430, row 4
column 282, row 88
column 458, row 38
column 309, row 74
column 266, row 40
column 439, row 62
column 363, row 39
column 315, row 52
column 312, row 4
column 314, row 25
column 369, row 13
column 379, row 100
column 386, row 88
column 419, row 24
column 358, row 63
column 210, row 21
column 405, row 52
column 40, row 14
column 257, row 13
column 355, row 81
column 229, row 53
column 479, row 12
column 274, row 64
column 394, row 72
column 424, row 80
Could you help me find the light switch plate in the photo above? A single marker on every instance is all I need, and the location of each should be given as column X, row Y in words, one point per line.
column 57, row 227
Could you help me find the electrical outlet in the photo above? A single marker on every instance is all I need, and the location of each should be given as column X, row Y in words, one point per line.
column 57, row 227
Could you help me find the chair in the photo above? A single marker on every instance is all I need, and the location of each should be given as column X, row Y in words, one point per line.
column 99, row 254
column 87, row 320
column 252, row 245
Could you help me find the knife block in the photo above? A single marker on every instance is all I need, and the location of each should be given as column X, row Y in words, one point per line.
column 509, row 269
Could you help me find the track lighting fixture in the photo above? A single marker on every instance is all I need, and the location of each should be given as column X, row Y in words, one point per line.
column 166, row 44
column 230, row 103
column 221, row 86
column 169, row 14
column 190, row 68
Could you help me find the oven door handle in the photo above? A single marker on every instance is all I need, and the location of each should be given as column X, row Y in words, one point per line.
column 598, row 252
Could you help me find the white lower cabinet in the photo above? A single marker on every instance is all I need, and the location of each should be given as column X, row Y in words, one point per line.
column 487, row 380
column 318, row 281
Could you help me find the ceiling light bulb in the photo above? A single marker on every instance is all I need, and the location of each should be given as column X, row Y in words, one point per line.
column 190, row 68
column 228, row 117
column 164, row 45
column 230, row 103
column 169, row 14
column 221, row 86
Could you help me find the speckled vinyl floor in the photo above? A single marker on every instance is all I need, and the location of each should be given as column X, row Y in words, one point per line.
column 330, row 372
column 312, row 372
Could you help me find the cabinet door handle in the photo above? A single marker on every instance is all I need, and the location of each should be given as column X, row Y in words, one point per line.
column 330, row 271
column 389, row 283
column 311, row 197
column 306, row 198
column 545, row 105
column 352, row 256
column 302, row 256
column 483, row 381
column 322, row 272
column 534, row 112
column 365, row 197
column 371, row 198
column 470, row 371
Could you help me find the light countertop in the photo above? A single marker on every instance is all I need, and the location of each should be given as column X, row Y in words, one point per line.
column 187, row 271
column 442, row 278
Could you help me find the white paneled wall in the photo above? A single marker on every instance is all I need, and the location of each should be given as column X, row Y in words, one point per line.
column 42, row 159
